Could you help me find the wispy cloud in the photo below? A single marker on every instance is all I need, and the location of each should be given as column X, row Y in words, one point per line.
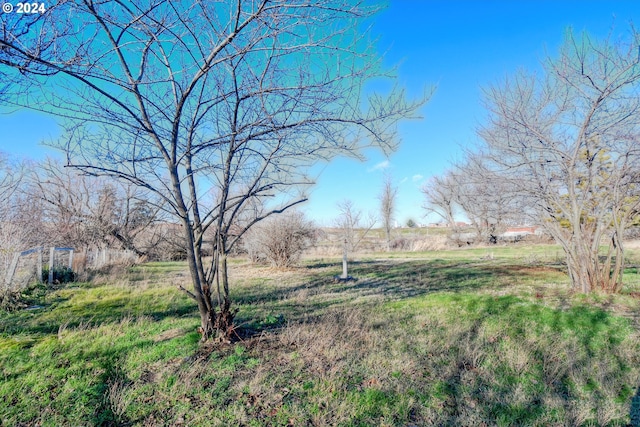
column 417, row 177
column 405, row 179
column 380, row 166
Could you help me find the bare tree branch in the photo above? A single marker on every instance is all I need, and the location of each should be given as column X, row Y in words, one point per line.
column 210, row 105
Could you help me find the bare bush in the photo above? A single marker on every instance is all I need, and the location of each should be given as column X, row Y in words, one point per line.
column 280, row 239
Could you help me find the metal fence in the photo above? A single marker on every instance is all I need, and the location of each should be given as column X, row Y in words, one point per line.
column 26, row 267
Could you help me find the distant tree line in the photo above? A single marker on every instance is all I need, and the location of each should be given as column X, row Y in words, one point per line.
column 45, row 203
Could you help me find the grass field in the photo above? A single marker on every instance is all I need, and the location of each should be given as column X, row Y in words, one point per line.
column 462, row 338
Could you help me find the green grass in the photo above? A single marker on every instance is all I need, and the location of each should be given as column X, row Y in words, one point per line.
column 457, row 337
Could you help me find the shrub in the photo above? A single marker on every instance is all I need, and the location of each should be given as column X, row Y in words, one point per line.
column 61, row 274
column 280, row 239
column 10, row 300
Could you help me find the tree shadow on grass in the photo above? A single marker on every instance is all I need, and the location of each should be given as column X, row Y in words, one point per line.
column 92, row 368
column 526, row 324
column 383, row 280
column 634, row 410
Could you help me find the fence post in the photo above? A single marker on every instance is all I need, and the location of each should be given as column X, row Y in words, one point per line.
column 71, row 259
column 12, row 270
column 50, row 281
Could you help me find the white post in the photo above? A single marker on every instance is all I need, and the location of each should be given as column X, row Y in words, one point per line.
column 39, row 266
column 50, row 281
column 71, row 259
column 344, row 261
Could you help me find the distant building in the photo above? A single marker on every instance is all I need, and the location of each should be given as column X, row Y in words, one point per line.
column 520, row 232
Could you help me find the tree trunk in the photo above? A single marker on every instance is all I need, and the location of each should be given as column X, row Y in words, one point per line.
column 201, row 289
column 207, row 322
column 388, row 235
column 224, row 321
column 587, row 271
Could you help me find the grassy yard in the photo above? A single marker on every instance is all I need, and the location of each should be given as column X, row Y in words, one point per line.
column 462, row 338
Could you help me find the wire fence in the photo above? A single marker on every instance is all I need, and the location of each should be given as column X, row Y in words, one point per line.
column 100, row 258
column 23, row 268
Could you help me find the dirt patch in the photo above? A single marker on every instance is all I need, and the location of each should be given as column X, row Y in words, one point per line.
column 170, row 334
column 632, row 244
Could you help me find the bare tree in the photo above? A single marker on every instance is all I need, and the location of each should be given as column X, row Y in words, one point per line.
column 10, row 179
column 387, row 198
column 473, row 189
column 21, row 225
column 489, row 202
column 10, row 238
column 353, row 226
column 568, row 140
column 207, row 104
column 441, row 197
column 93, row 212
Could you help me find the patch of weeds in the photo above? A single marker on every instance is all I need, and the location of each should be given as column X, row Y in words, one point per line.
column 60, row 275
column 514, row 355
column 272, row 320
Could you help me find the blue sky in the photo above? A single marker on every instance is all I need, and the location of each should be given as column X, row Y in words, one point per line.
column 457, row 46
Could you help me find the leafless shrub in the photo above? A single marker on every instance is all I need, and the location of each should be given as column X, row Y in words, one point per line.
column 432, row 243
column 280, row 239
column 399, row 244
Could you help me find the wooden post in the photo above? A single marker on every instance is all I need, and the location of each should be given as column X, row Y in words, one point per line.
column 50, row 281
column 71, row 259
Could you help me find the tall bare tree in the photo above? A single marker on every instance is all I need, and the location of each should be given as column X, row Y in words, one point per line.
column 207, row 104
column 387, row 198
column 440, row 197
column 10, row 178
column 568, row 140
column 21, row 224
